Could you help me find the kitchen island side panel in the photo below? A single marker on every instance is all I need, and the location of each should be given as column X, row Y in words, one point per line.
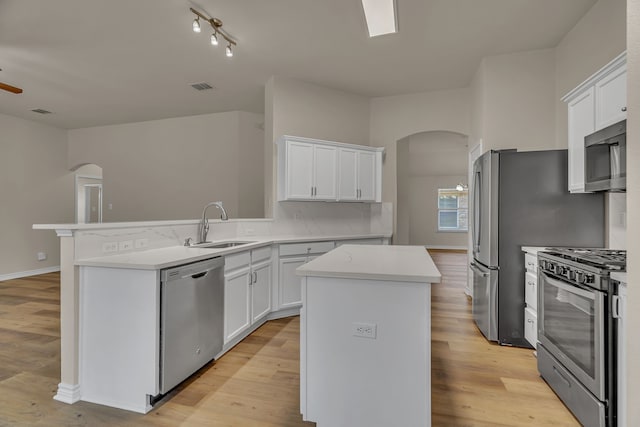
column 360, row 381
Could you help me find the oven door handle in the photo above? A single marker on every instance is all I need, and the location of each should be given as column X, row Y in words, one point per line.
column 570, row 288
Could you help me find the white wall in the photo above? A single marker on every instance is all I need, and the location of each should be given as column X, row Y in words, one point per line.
column 170, row 168
column 396, row 117
column 428, row 161
column 595, row 40
column 633, row 210
column 35, row 187
column 515, row 101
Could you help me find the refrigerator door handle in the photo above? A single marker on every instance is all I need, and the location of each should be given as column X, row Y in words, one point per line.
column 477, row 211
column 477, row 269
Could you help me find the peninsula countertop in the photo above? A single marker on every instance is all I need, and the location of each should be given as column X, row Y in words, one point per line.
column 389, row 263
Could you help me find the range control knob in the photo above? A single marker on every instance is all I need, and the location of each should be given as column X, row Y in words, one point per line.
column 569, row 274
column 579, row 276
column 588, row 279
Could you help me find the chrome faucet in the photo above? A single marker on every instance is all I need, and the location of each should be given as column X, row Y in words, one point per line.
column 203, row 227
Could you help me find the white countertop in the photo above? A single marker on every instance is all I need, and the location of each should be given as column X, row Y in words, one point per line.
column 389, row 263
column 156, row 259
column 533, row 249
column 619, row 276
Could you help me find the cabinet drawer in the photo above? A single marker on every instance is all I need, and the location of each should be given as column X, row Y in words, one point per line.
column 236, row 261
column 531, row 262
column 306, row 248
column 376, row 241
column 260, row 254
column 531, row 290
column 531, row 326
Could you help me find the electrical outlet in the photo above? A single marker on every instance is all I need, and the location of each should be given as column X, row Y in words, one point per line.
column 42, row 256
column 365, row 330
column 125, row 245
column 109, row 247
column 141, row 243
column 249, row 232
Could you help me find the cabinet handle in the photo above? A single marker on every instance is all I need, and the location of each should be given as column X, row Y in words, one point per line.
column 255, row 277
column 624, row 108
column 529, row 320
column 250, row 279
column 531, row 283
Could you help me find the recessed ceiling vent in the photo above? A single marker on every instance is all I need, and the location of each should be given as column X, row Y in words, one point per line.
column 41, row 111
column 201, row 86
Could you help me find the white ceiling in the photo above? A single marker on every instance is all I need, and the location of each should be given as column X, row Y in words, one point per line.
column 99, row 62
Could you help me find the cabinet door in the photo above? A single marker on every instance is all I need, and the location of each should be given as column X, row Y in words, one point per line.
column 531, row 290
column 348, row 178
column 581, row 124
column 367, row 176
column 622, row 356
column 289, row 289
column 611, row 98
column 531, row 326
column 299, row 174
column 325, row 171
column 236, row 304
column 261, row 291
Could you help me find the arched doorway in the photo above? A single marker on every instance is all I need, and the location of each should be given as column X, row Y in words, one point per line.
column 88, row 191
column 432, row 185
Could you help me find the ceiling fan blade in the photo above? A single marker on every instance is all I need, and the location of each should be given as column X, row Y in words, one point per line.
column 10, row 88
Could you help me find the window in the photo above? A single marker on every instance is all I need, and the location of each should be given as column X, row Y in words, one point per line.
column 453, row 209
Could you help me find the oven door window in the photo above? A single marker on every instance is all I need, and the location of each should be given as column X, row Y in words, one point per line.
column 571, row 320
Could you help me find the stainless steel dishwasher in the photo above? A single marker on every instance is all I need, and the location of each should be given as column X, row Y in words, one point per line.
column 191, row 319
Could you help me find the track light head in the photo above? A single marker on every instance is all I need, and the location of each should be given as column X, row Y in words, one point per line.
column 216, row 26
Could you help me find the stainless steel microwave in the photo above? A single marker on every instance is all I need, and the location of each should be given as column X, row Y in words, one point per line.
column 605, row 159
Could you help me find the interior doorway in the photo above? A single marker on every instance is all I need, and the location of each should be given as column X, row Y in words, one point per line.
column 89, row 194
column 432, row 187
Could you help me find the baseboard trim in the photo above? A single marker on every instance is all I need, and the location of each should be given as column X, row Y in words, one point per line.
column 68, row 393
column 29, row 273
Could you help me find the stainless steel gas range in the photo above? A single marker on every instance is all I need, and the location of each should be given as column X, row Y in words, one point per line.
column 577, row 329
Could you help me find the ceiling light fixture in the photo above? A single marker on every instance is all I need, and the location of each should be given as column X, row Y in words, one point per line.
column 216, row 24
column 380, row 16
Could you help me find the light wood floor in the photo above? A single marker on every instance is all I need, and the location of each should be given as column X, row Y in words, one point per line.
column 474, row 383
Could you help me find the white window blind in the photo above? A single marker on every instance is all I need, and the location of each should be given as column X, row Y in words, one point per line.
column 453, row 210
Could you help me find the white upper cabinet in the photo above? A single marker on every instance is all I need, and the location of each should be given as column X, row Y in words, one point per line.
column 357, row 177
column 611, row 96
column 598, row 102
column 581, row 124
column 310, row 169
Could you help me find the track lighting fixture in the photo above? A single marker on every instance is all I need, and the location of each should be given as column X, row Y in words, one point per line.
column 216, row 24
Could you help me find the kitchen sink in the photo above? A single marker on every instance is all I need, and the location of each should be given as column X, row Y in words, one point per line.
column 220, row 245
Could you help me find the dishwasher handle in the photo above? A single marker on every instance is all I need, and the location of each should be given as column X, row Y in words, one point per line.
column 199, row 275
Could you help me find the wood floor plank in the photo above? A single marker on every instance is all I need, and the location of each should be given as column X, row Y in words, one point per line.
column 474, row 383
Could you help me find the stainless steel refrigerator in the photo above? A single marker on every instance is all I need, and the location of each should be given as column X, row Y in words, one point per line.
column 521, row 199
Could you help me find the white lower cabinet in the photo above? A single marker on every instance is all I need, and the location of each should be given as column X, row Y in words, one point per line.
column 261, row 291
column 292, row 256
column 530, row 326
column 247, row 291
column 531, row 295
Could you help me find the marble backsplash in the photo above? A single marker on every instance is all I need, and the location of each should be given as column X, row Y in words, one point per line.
column 296, row 219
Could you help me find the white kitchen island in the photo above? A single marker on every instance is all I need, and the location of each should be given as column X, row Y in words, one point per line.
column 365, row 337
